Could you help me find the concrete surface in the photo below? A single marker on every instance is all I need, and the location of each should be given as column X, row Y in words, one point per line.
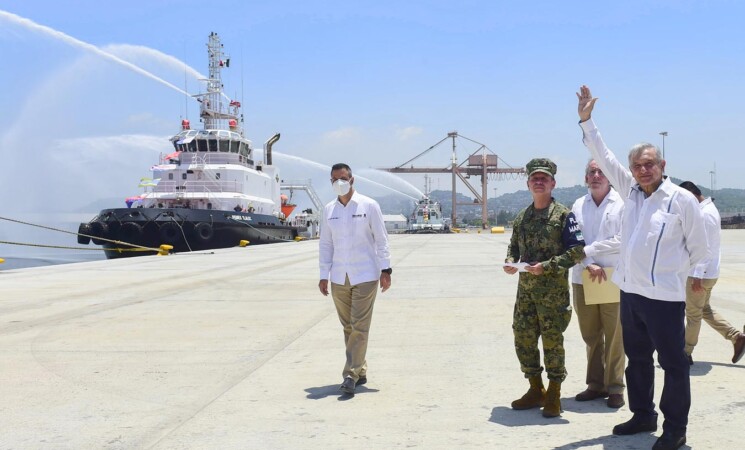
column 237, row 349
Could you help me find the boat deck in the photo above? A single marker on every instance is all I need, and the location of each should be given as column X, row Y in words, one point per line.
column 236, row 349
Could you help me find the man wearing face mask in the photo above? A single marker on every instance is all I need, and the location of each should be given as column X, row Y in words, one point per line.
column 354, row 256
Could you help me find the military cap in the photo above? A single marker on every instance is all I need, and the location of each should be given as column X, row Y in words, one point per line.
column 544, row 165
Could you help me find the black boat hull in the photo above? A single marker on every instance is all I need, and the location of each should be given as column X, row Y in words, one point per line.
column 183, row 229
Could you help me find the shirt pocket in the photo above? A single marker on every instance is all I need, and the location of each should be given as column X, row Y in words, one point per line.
column 663, row 227
column 611, row 225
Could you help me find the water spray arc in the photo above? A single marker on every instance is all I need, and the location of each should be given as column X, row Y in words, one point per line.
column 30, row 24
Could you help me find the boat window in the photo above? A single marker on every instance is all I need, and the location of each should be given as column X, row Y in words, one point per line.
column 183, row 176
column 212, row 144
column 234, row 146
column 170, row 176
column 192, row 146
column 217, row 175
column 223, row 133
column 224, row 145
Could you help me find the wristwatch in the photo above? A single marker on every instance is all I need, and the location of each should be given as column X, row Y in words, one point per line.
column 388, row 271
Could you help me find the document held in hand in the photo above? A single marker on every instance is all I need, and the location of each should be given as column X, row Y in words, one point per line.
column 605, row 292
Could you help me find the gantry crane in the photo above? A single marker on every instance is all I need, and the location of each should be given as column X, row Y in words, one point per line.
column 482, row 162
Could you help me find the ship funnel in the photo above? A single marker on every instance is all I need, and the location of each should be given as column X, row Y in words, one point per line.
column 268, row 149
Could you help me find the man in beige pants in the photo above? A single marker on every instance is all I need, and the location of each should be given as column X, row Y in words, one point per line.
column 354, row 256
column 599, row 216
column 701, row 281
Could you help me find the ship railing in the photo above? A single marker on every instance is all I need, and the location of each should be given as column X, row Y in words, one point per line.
column 201, row 158
column 207, row 186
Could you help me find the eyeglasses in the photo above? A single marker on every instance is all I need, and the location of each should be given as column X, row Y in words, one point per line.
column 647, row 166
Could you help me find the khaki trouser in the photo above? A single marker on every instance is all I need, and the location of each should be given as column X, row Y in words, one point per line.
column 697, row 308
column 354, row 305
column 600, row 326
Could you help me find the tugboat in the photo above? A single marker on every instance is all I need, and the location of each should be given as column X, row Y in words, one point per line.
column 208, row 193
column 427, row 216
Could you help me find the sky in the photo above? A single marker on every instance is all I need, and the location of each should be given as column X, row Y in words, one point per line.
column 93, row 90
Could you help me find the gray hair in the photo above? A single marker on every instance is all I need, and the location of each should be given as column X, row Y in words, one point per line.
column 638, row 149
column 587, row 166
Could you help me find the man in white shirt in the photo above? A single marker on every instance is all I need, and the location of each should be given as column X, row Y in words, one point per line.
column 662, row 238
column 701, row 281
column 354, row 256
column 599, row 216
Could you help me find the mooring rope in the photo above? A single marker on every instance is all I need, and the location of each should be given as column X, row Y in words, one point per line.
column 136, row 248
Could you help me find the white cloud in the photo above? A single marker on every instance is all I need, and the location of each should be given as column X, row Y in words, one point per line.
column 342, row 136
column 404, row 134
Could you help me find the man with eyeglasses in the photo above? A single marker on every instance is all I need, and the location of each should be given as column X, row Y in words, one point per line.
column 662, row 238
column 354, row 256
column 547, row 240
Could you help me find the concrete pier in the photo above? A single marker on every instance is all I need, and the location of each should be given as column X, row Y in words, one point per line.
column 237, row 349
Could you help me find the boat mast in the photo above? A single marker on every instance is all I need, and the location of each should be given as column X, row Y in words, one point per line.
column 213, row 111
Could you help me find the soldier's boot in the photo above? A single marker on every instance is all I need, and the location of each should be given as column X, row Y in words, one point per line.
column 552, row 406
column 535, row 397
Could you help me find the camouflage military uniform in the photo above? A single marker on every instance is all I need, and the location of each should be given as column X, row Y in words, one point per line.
column 550, row 236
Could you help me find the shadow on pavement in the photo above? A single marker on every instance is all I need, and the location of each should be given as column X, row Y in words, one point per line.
column 332, row 390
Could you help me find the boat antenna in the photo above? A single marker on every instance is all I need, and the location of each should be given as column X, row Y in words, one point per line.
column 186, row 97
column 242, row 91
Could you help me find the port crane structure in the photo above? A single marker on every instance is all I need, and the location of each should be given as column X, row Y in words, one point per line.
column 483, row 162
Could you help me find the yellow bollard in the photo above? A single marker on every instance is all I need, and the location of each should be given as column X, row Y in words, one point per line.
column 497, row 230
column 165, row 249
column 299, row 238
column 243, row 243
column 2, row 260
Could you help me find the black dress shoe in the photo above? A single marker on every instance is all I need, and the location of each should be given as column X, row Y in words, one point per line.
column 361, row 381
column 739, row 348
column 669, row 441
column 347, row 386
column 636, row 425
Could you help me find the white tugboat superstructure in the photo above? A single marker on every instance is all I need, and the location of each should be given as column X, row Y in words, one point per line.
column 209, row 192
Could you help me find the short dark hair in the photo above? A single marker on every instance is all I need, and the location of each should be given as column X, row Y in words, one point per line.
column 691, row 187
column 339, row 166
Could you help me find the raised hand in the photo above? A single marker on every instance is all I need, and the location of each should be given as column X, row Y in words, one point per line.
column 586, row 103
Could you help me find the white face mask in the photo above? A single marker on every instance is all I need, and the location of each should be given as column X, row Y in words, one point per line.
column 341, row 187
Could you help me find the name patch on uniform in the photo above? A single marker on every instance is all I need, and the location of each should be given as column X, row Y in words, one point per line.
column 359, row 215
column 575, row 229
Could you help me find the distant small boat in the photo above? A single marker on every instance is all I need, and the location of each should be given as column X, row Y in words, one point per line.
column 208, row 193
column 427, row 215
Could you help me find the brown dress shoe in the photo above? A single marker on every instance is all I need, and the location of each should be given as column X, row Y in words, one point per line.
column 589, row 394
column 739, row 348
column 616, row 401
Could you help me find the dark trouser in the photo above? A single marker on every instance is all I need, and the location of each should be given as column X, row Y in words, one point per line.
column 650, row 325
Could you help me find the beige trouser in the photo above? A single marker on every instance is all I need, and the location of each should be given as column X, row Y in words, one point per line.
column 600, row 326
column 698, row 307
column 354, row 305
